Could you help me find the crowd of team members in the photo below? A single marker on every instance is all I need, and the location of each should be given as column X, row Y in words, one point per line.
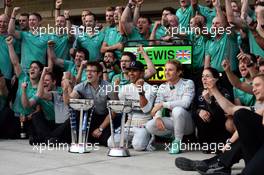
column 40, row 72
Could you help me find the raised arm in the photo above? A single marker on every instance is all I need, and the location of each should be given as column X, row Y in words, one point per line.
column 136, row 14
column 234, row 80
column 153, row 33
column 52, row 56
column 57, row 8
column 126, row 19
column 219, row 12
column 40, row 92
column 81, row 68
column 8, row 7
column 25, row 101
column 225, row 104
column 67, row 87
column 151, row 70
column 13, row 56
column 238, row 22
column 12, row 25
column 69, row 25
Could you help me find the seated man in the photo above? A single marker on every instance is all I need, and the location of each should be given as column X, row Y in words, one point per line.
column 249, row 123
column 52, row 122
column 100, row 91
column 175, row 96
column 144, row 94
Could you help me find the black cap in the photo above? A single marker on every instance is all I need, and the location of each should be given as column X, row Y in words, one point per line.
column 137, row 65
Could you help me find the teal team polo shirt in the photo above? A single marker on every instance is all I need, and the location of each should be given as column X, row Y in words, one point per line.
column 92, row 44
column 33, row 48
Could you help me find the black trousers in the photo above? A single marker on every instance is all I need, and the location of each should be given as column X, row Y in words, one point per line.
column 42, row 129
column 251, row 135
column 95, row 121
column 9, row 124
column 213, row 131
column 232, row 156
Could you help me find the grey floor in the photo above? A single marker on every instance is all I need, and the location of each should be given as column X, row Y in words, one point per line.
column 19, row 158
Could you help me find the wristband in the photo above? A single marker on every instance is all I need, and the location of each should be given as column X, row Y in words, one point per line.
column 129, row 5
column 57, row 8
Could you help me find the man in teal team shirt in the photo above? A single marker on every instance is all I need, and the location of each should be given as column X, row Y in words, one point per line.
column 27, row 83
column 223, row 44
column 137, row 30
column 91, row 39
column 33, row 42
column 62, row 36
column 114, row 39
column 254, row 31
column 75, row 67
column 5, row 64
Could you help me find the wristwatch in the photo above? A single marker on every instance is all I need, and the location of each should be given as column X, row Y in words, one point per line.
column 101, row 129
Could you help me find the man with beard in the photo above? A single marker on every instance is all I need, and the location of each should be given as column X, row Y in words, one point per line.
column 138, row 91
column 23, row 22
column 126, row 59
column 110, row 66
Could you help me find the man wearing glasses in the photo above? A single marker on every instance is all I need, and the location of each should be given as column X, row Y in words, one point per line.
column 100, row 91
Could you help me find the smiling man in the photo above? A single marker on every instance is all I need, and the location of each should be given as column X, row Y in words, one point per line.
column 100, row 91
column 33, row 41
column 144, row 94
column 175, row 96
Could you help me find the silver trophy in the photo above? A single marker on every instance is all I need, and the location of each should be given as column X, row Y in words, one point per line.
column 82, row 105
column 124, row 107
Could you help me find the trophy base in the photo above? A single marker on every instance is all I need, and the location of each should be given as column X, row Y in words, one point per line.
column 118, row 152
column 78, row 148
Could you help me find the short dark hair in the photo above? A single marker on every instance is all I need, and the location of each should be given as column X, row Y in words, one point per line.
column 25, row 14
column 92, row 14
column 85, row 51
column 96, row 64
column 40, row 65
column 146, row 17
column 130, row 55
column 261, row 62
column 113, row 52
column 61, row 16
column 37, row 15
column 170, row 9
column 52, row 75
